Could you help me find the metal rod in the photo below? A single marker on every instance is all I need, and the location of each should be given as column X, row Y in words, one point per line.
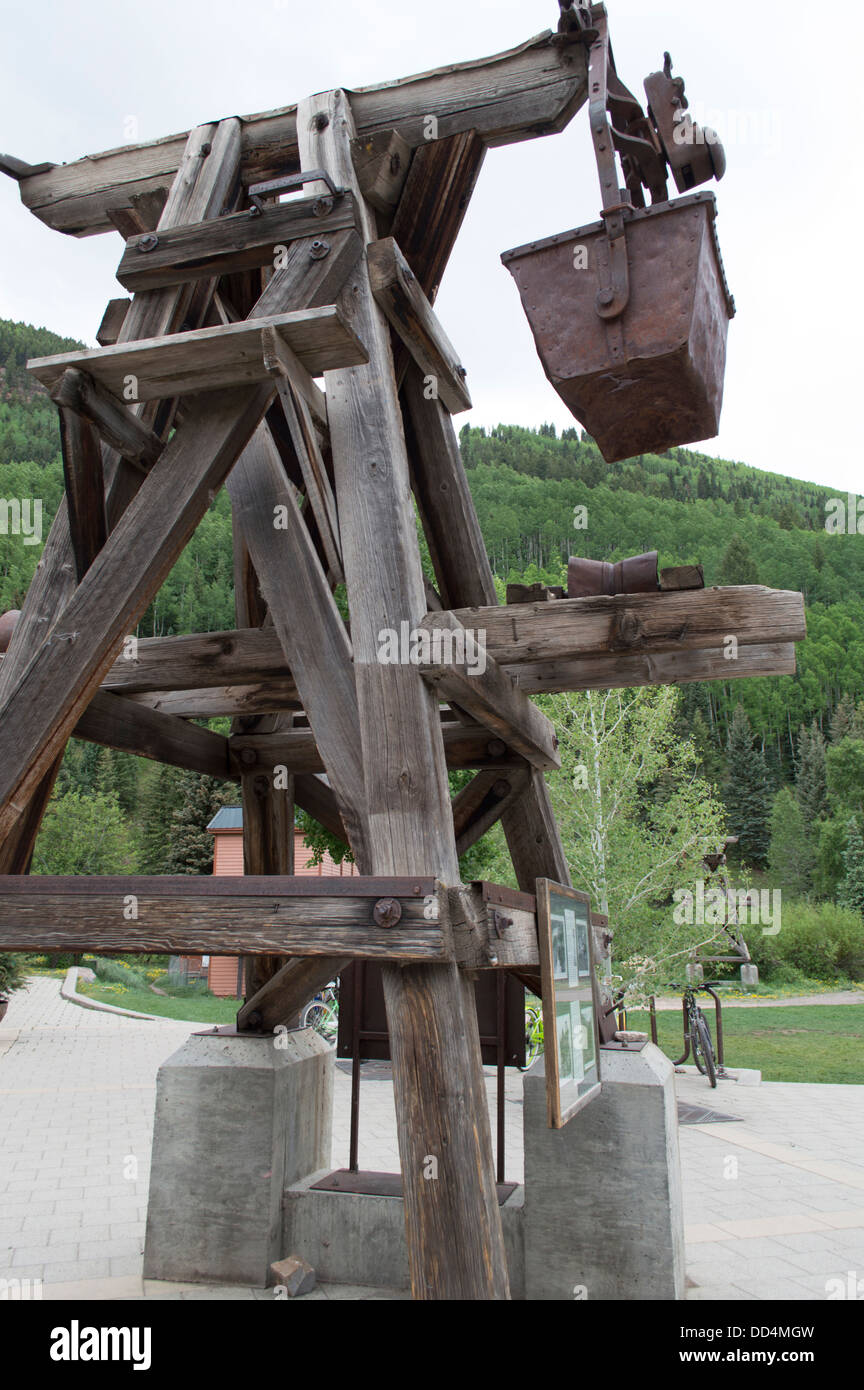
column 502, row 1018
column 716, row 999
column 652, row 1011
column 358, row 982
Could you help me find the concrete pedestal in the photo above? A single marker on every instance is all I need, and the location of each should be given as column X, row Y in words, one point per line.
column 238, row 1119
column 603, row 1212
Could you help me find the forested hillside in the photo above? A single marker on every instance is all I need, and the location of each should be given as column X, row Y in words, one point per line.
column 791, row 749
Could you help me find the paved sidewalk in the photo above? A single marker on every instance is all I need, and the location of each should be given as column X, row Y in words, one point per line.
column 774, row 1197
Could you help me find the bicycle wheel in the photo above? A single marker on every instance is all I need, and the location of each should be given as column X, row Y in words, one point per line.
column 314, row 1015
column 703, row 1048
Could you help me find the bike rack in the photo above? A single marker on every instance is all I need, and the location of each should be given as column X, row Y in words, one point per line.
column 721, row 1069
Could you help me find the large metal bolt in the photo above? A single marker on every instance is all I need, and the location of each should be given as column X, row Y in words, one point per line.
column 387, row 912
column 495, row 748
column 319, row 249
column 501, row 788
column 148, row 242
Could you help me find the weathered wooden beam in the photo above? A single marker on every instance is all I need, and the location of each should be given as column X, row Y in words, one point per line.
column 85, row 488
column 494, row 928
column 453, row 1225
column 268, row 848
column 462, row 672
column 209, row 359
column 397, row 292
column 112, row 321
column 273, row 696
column 50, row 696
column 528, row 91
column 115, row 722
column 184, row 914
column 689, row 620
column 433, row 205
column 289, row 991
column 297, row 750
column 483, row 802
column 381, row 162
column 240, row 241
column 117, row 425
column 308, row 626
column 203, row 184
column 618, row 671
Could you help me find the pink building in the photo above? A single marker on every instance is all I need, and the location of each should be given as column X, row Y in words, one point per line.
column 225, row 973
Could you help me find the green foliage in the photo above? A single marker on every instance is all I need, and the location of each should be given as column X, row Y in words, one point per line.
column 12, row 974
column 84, row 834
column 191, row 844
column 738, row 565
column 852, row 893
column 747, row 790
column 118, row 972
column 790, row 856
column 816, row 941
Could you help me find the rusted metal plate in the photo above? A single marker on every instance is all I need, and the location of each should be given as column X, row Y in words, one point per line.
column 637, row 574
column 651, row 378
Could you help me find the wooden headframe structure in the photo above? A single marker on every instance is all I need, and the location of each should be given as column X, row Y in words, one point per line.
column 206, row 377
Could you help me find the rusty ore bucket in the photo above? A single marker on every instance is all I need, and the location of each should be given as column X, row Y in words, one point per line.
column 652, row 378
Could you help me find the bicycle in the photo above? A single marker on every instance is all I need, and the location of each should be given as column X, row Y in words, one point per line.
column 697, row 1034
column 533, row 1033
column 322, row 1013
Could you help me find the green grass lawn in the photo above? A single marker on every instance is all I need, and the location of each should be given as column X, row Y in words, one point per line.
column 809, row 1043
column 199, row 1008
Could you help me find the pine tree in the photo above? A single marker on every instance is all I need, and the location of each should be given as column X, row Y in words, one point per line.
column 791, row 855
column 811, row 786
column 159, row 800
column 190, row 849
column 841, row 720
column 747, row 790
column 738, row 565
column 852, row 888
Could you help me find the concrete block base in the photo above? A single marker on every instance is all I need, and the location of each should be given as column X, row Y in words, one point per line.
column 353, row 1238
column 603, row 1209
column 238, row 1119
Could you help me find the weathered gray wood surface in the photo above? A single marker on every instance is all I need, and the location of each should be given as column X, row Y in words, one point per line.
column 488, row 936
column 381, row 162
column 397, row 292
column 237, row 242
column 530, row 90
column 209, row 359
column 475, row 682
column 116, row 722
column 263, row 915
column 431, row 1013
column 120, row 428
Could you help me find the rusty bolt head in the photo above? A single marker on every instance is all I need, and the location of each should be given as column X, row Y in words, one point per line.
column 501, row 788
column 320, row 121
column 387, row 912
column 205, row 149
column 319, row 249
column 148, row 242
column 495, row 748
column 322, row 207
column 605, row 296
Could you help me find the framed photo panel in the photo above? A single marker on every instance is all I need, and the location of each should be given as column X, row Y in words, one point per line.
column 569, row 1007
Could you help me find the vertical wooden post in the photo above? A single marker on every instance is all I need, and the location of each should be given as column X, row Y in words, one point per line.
column 455, row 1240
column 268, row 848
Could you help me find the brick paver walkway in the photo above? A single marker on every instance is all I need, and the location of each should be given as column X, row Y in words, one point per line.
column 774, row 1199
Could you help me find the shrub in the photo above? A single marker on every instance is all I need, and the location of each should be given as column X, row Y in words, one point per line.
column 118, row 972
column 817, row 941
column 11, row 974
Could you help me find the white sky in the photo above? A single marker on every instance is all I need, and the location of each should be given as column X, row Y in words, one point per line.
column 71, row 76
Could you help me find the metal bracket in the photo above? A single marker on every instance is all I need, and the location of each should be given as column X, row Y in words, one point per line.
column 257, row 190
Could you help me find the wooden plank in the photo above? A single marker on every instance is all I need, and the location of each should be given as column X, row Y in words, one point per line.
column 682, row 577
column 492, row 936
column 118, row 426
column 656, row 622
column 112, row 321
column 434, row 202
column 268, row 848
column 381, row 162
column 461, row 671
column 175, row 915
column 209, row 359
column 199, row 660
column 453, row 1225
column 85, row 488
column 298, row 751
column 397, row 292
column 274, row 696
column 482, row 803
column 530, row 90
column 229, row 244
column 308, row 626
column 48, row 699
column 661, row 668
column 202, row 186
column 117, row 723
